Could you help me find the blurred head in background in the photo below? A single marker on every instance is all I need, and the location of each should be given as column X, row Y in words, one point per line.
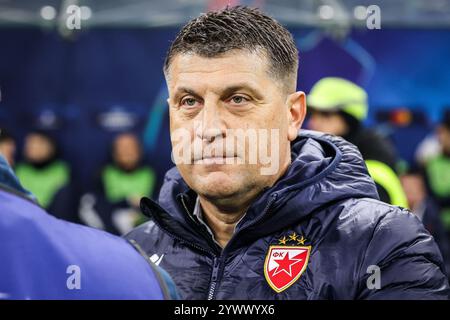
column 413, row 183
column 39, row 148
column 443, row 133
column 7, row 146
column 337, row 106
column 127, row 151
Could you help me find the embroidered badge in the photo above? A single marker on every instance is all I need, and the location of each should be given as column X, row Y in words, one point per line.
column 285, row 262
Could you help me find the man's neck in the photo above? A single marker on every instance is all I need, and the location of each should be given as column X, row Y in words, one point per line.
column 222, row 221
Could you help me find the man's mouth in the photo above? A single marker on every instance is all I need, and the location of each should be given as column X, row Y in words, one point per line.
column 215, row 160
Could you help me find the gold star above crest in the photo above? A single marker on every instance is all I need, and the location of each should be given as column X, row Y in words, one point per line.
column 301, row 241
column 283, row 240
column 293, row 236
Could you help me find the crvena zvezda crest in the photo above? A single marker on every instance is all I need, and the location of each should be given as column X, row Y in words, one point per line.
column 284, row 265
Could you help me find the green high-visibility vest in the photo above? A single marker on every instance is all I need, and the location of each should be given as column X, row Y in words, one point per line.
column 438, row 172
column 120, row 185
column 383, row 175
column 44, row 182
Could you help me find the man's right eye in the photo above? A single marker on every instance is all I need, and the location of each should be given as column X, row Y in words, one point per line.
column 189, row 102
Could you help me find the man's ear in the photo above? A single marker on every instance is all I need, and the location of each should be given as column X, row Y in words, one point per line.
column 296, row 103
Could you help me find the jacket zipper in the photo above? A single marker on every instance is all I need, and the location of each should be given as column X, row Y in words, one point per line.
column 214, row 278
column 217, row 260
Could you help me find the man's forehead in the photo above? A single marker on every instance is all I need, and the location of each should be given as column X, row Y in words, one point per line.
column 235, row 63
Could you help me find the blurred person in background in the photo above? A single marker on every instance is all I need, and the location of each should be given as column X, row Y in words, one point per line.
column 45, row 175
column 7, row 146
column 114, row 206
column 438, row 170
column 425, row 208
column 339, row 107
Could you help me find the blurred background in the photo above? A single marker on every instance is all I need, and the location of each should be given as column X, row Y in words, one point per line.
column 83, row 106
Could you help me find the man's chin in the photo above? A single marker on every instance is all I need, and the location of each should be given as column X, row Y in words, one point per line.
column 217, row 184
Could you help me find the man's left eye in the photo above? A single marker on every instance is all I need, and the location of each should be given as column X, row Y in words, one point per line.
column 238, row 99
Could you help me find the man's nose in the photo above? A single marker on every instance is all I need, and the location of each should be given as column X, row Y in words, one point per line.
column 210, row 125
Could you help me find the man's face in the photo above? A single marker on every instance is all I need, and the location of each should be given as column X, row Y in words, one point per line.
column 217, row 107
column 127, row 152
column 414, row 189
column 328, row 122
column 38, row 148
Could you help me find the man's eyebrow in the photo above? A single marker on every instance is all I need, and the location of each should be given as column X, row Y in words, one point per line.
column 182, row 90
column 238, row 87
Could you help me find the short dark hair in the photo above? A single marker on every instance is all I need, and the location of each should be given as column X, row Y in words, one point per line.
column 239, row 27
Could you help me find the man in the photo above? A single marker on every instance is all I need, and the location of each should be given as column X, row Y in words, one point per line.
column 42, row 172
column 339, row 107
column 121, row 185
column 46, row 258
column 126, row 178
column 304, row 223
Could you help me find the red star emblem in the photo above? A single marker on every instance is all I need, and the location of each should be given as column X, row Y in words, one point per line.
column 284, row 265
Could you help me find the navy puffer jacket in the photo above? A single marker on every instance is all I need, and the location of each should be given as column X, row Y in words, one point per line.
column 319, row 233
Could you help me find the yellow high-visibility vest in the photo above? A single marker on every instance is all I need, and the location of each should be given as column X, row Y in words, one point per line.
column 383, row 175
